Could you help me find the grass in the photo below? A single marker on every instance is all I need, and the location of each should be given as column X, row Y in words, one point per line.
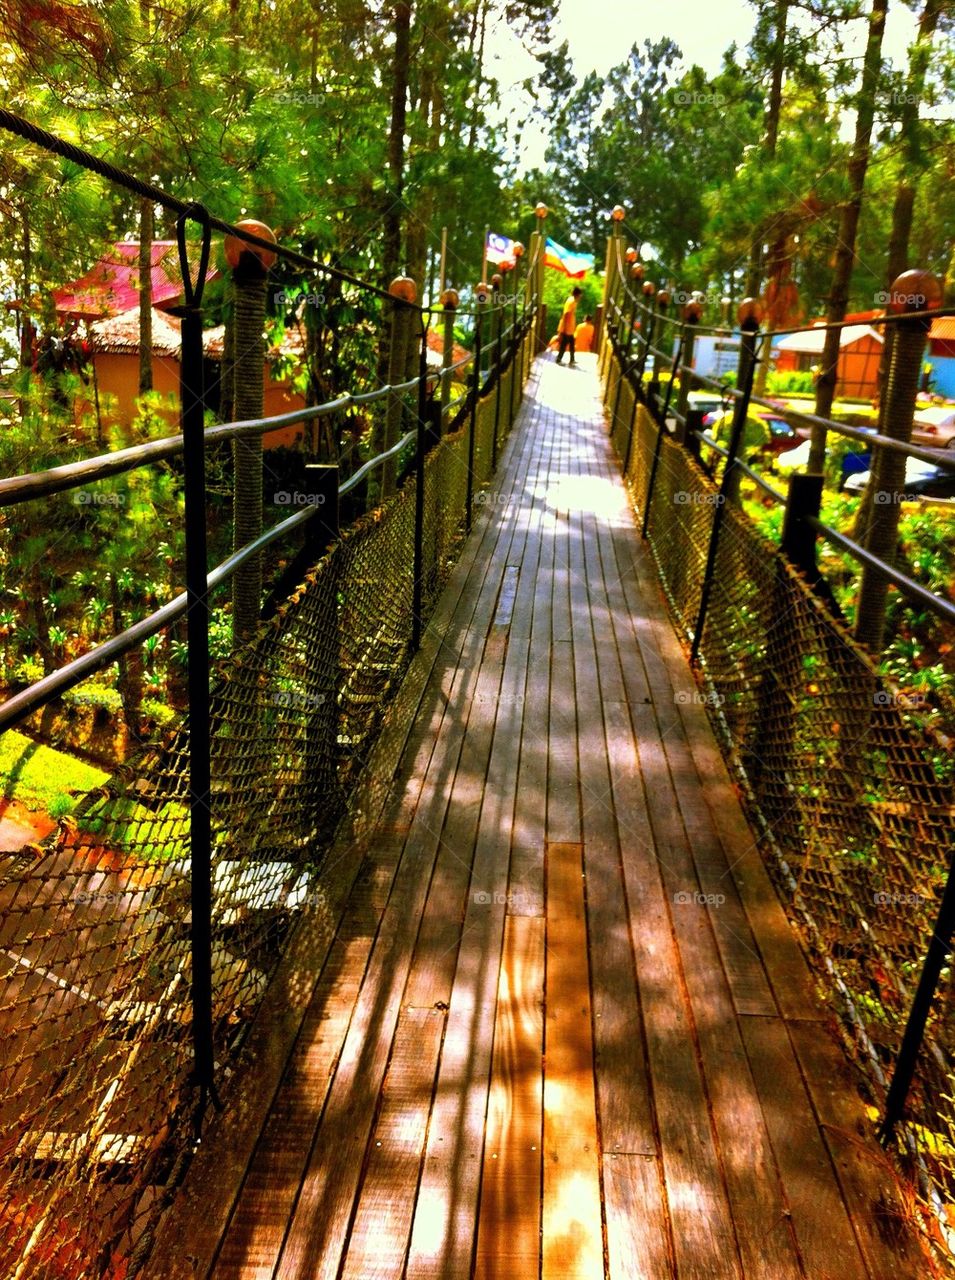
column 41, row 778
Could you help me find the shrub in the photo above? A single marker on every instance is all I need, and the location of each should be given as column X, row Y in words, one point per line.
column 60, row 806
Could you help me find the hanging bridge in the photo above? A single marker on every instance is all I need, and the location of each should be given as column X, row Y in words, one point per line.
column 546, row 884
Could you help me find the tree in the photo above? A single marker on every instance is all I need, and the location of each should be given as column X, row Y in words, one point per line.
column 848, row 224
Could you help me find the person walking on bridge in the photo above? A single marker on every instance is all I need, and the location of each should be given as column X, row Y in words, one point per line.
column 584, row 337
column 568, row 327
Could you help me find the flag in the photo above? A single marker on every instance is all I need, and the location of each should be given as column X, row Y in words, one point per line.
column 499, row 250
column 574, row 265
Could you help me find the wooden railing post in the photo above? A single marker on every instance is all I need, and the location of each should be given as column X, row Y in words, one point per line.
column 913, row 291
column 449, row 301
column 496, row 284
column 481, row 295
column 517, row 346
column 540, row 343
column 250, row 266
column 421, row 448
column 626, row 345
column 749, row 319
column 692, row 311
column 404, row 291
column 191, row 391
column 798, row 543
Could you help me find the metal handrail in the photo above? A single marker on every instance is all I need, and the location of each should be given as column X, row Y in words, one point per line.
column 723, row 330
column 908, row 586
column 25, row 702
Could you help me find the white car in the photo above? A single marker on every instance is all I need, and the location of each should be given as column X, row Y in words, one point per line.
column 920, row 478
column 934, row 427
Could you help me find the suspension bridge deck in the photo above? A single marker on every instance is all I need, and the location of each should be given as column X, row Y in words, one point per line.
column 564, row 1028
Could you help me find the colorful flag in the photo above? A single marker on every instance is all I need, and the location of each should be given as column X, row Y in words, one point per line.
column 499, row 250
column 574, row 265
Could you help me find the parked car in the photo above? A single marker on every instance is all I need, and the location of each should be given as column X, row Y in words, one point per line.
column 765, row 432
column 706, row 402
column 922, row 480
column 934, row 427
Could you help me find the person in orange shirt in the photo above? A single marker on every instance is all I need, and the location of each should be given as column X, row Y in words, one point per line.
column 568, row 327
column 584, row 337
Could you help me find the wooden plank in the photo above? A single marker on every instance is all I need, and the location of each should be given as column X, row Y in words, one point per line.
column 525, row 890
column 626, row 1120
column 378, row 1238
column 826, row 1240
column 638, row 1236
column 703, row 1237
column 879, row 1208
column 782, row 956
column 492, row 704
column 273, row 1184
column 572, row 1228
column 563, row 803
column 507, row 596
column 508, row 1240
column 255, row 1233
column 442, row 1239
column 432, row 971
column 745, row 1153
column 319, row 1226
column 739, row 950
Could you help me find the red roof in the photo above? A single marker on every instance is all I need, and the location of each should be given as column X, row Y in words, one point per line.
column 436, row 345
column 943, row 329
column 112, row 285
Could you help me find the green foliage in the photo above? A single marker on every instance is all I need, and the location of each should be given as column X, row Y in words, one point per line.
column 556, row 289
column 41, row 778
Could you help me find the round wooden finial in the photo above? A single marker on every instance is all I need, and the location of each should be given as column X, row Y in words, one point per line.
column 482, row 293
column 749, row 314
column 619, row 213
column 403, row 289
column 649, row 288
column 518, row 250
column 235, row 248
column 631, row 254
column 450, row 299
column 541, row 210
column 663, row 299
column 637, row 271
column 496, row 280
column 915, row 290
column 693, row 308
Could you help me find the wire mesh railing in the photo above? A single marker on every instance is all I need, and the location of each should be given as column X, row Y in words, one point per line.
column 850, row 783
column 139, row 939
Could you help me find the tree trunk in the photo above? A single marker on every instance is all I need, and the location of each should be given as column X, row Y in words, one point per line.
column 130, row 666
column 145, row 296
column 848, row 225
column 480, row 18
column 903, row 211
column 754, row 273
column 249, row 293
column 392, row 218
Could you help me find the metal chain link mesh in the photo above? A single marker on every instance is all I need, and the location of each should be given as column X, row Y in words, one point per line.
column 849, row 785
column 96, row 1056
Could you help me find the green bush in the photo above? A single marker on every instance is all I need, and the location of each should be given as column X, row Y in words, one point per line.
column 38, row 776
column 60, row 806
column 28, row 670
column 789, row 381
column 99, row 696
column 158, row 711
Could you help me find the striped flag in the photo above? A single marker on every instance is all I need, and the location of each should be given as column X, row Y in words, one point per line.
column 574, row 265
column 499, row 250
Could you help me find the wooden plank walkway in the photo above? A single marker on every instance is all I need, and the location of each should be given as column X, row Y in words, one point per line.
column 564, row 1030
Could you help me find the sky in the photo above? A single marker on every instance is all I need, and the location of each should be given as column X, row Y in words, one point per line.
column 601, row 32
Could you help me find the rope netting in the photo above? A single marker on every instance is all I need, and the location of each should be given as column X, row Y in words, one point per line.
column 96, row 1057
column 848, row 784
